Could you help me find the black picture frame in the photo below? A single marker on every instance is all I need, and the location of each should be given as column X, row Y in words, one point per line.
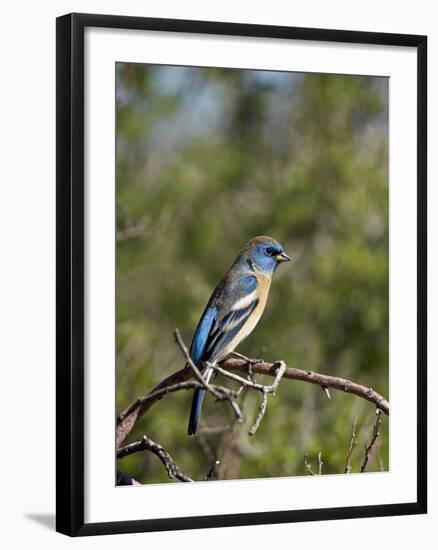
column 70, row 273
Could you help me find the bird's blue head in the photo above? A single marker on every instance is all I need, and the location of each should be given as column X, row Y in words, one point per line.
column 264, row 254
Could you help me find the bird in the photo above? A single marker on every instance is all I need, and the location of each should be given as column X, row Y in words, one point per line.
column 233, row 310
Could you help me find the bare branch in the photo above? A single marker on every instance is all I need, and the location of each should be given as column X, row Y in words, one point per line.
column 181, row 380
column 129, row 416
column 335, row 382
column 375, row 435
column 146, row 444
column 347, row 469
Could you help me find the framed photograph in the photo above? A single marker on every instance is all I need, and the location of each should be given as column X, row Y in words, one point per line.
column 241, row 274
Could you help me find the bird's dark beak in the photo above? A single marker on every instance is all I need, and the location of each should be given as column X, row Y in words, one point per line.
column 283, row 257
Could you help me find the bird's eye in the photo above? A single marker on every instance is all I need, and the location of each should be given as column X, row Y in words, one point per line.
column 269, row 251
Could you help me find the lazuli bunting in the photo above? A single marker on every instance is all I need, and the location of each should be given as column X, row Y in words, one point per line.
column 234, row 309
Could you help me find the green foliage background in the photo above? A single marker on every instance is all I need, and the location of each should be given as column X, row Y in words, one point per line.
column 207, row 159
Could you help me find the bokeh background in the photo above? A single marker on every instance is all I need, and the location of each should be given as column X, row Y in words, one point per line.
column 208, row 158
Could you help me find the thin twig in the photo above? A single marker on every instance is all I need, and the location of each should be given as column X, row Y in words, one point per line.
column 347, row 469
column 219, row 392
column 260, row 414
column 212, row 470
column 320, row 463
column 236, row 409
column 375, row 435
column 146, row 444
column 192, row 365
column 280, row 368
column 308, row 466
column 326, row 391
column 130, row 416
column 243, row 381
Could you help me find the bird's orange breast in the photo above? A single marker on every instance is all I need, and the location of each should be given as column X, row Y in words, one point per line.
column 263, row 286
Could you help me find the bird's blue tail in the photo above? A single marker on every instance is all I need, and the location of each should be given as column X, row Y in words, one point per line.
column 195, row 411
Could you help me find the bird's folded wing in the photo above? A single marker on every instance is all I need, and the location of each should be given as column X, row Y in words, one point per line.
column 227, row 312
column 201, row 335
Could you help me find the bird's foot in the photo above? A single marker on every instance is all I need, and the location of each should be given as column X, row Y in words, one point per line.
column 250, row 360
